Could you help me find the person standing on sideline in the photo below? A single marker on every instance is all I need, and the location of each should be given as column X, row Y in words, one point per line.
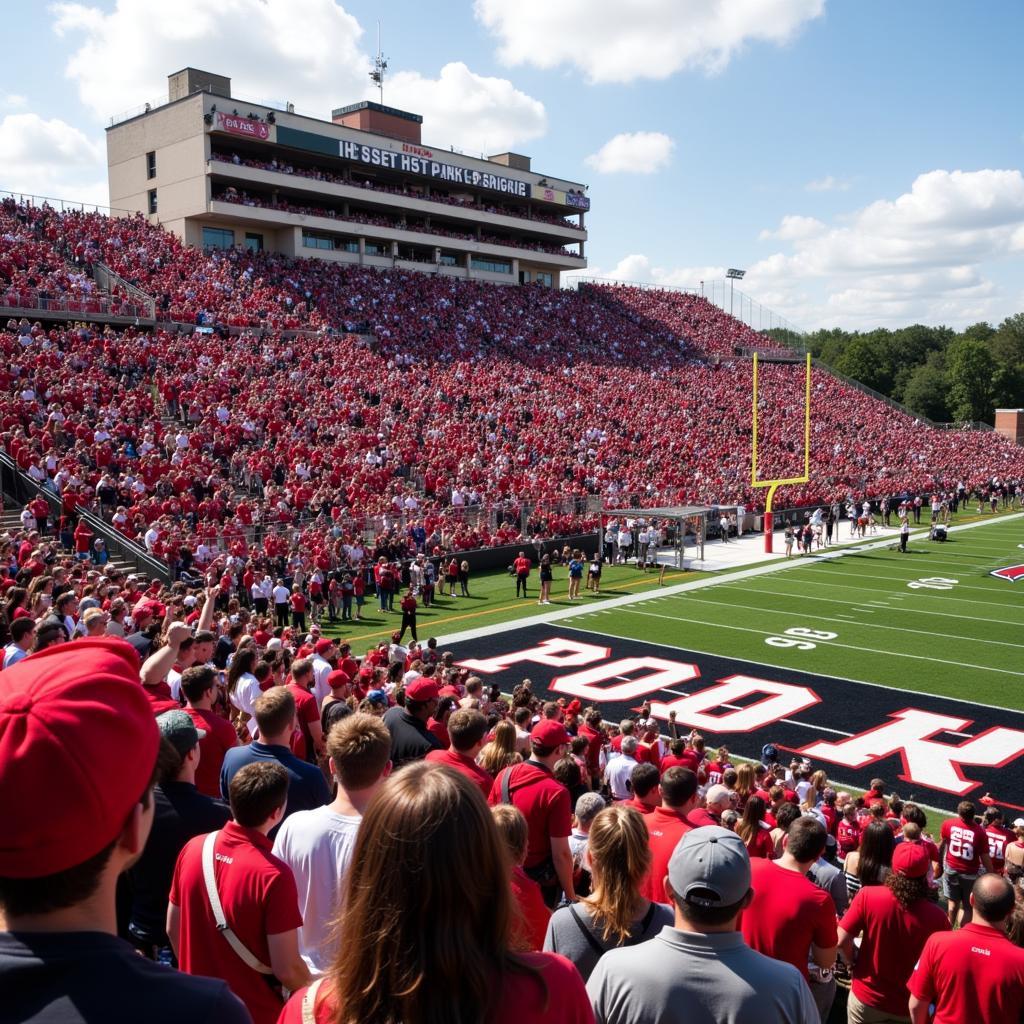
column 281, row 595
column 788, row 536
column 904, row 533
column 521, row 567
column 575, row 574
column 893, row 921
column 464, row 578
column 975, row 973
column 75, row 722
column 408, row 607
column 701, row 968
column 546, row 576
column 234, row 912
column 317, row 845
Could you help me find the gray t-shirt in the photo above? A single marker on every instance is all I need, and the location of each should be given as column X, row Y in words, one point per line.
column 565, row 936
column 685, row 978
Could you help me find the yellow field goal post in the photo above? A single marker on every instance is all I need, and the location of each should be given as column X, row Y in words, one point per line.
column 773, row 485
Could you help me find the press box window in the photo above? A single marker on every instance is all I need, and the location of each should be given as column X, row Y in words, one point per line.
column 218, row 238
column 493, row 266
column 151, row 165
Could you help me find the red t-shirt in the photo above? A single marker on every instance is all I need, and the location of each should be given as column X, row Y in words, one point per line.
column 219, row 739
column 530, row 929
column 522, row 997
column 522, row 566
column 638, row 805
column 298, row 603
column 788, row 914
column 848, row 835
column 975, row 973
column 306, row 711
column 664, row 830
column 689, row 759
column 594, row 740
column 466, row 765
column 544, row 802
column 965, row 842
column 998, row 839
column 891, row 941
column 257, row 891
column 761, row 843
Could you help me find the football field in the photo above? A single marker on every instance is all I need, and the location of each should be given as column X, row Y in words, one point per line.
column 867, row 660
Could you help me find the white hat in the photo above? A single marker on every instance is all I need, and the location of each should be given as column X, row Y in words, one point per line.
column 1019, row 823
column 274, row 643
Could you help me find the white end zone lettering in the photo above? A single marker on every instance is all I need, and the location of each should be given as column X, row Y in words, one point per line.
column 664, row 673
column 925, row 761
column 558, row 652
column 781, row 700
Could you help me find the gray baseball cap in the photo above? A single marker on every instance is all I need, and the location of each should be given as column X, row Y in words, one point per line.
column 710, row 867
column 177, row 727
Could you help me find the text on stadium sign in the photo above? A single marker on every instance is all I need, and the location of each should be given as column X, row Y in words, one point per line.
column 243, row 126
column 741, row 703
column 409, row 163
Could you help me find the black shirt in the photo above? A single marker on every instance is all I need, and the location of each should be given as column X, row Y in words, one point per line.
column 95, row 978
column 180, row 812
column 410, row 738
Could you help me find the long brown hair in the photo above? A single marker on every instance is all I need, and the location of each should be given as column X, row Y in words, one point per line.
column 620, row 856
column 501, row 751
column 425, row 934
column 750, row 823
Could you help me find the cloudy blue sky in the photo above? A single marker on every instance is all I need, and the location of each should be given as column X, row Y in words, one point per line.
column 860, row 158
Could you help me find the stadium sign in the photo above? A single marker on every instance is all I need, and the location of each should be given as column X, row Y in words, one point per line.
column 936, row 749
column 452, row 174
column 243, row 126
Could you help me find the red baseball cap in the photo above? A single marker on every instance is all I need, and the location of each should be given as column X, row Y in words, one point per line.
column 73, row 719
column 339, row 677
column 549, row 733
column 422, row 688
column 322, row 646
column 147, row 606
column 910, row 859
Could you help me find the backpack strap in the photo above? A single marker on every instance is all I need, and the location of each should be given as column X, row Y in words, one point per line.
column 309, row 1002
column 233, row 940
column 587, row 933
column 597, row 947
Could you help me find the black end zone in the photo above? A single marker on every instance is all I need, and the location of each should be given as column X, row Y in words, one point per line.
column 932, row 749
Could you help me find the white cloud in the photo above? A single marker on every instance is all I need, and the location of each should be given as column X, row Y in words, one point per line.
column 51, row 158
column 930, row 255
column 635, row 152
column 468, row 111
column 827, row 184
column 612, row 42
column 638, row 269
column 306, row 52
column 14, row 101
column 794, row 226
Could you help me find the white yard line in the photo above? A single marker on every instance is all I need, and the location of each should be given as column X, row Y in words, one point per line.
column 906, row 611
column 769, row 568
column 834, row 618
column 828, row 643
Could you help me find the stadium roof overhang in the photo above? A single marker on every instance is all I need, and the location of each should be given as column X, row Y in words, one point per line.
column 668, row 512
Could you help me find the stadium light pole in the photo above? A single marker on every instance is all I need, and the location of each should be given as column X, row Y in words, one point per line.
column 734, row 275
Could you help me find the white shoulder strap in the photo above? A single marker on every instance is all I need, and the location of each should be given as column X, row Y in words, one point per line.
column 218, row 911
column 309, row 1002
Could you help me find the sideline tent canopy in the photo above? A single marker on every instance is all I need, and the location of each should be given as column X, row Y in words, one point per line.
column 681, row 516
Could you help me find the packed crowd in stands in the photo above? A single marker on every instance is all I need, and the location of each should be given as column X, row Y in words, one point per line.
column 270, row 826
column 462, row 405
column 435, row 196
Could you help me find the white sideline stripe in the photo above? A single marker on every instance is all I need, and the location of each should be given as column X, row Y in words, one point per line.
column 832, row 618
column 824, row 675
column 906, row 611
column 902, row 579
column 681, row 588
column 831, row 643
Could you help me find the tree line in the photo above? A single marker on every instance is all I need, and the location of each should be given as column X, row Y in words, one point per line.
column 936, row 372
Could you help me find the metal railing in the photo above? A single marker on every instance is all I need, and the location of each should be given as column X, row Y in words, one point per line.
column 21, row 489
column 62, row 205
column 108, row 280
column 86, row 306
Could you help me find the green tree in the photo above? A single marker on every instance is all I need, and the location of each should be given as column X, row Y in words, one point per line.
column 970, row 370
column 925, row 393
column 866, row 358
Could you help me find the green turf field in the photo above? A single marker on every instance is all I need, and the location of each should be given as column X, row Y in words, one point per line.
column 931, row 620
column 492, row 601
